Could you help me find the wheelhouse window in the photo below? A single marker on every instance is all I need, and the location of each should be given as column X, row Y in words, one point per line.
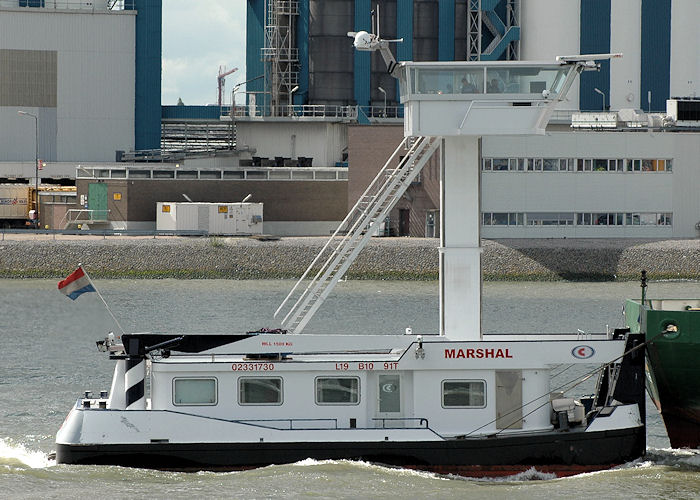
column 463, row 394
column 194, row 391
column 337, row 390
column 260, row 391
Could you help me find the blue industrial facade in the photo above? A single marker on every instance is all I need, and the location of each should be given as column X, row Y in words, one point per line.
column 301, row 95
column 255, row 40
column 360, row 18
column 595, row 39
column 174, row 112
column 404, row 29
column 149, row 43
column 361, row 60
column 446, row 30
column 655, row 54
column 255, row 33
column 496, row 12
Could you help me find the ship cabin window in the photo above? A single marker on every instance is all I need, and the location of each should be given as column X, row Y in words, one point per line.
column 463, row 394
column 194, row 391
column 337, row 390
column 260, row 391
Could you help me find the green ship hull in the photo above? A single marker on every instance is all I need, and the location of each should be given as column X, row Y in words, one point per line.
column 672, row 330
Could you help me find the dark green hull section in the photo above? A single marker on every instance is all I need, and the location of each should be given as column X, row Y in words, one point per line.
column 673, row 363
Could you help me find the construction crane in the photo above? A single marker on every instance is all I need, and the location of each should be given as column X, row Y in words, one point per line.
column 221, row 81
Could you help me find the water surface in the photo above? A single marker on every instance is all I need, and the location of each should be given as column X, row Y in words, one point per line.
column 47, row 344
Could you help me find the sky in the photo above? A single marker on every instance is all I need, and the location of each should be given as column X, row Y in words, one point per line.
column 198, row 37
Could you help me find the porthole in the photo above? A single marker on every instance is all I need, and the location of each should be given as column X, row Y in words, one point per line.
column 670, row 329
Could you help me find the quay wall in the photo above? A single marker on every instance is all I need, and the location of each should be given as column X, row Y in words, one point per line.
column 53, row 256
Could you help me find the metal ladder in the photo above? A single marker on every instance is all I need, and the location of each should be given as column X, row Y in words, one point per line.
column 357, row 228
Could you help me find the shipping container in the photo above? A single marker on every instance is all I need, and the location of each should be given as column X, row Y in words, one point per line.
column 228, row 219
column 15, row 204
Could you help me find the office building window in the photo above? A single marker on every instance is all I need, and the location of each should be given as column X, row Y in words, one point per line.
column 632, row 165
column 577, row 219
column 503, row 219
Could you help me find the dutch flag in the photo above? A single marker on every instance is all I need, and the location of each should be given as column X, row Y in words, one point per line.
column 76, row 284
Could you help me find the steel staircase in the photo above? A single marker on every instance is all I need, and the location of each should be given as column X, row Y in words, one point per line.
column 357, row 228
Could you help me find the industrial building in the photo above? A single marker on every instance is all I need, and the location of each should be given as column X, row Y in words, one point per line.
column 298, row 63
column 298, row 52
column 297, row 200
column 315, row 109
column 90, row 73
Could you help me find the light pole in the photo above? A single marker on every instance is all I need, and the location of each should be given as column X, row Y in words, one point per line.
column 383, row 92
column 291, row 103
column 598, row 91
column 36, row 163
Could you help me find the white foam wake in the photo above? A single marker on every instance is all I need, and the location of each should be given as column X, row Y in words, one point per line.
column 13, row 453
column 674, row 457
column 369, row 466
column 531, row 474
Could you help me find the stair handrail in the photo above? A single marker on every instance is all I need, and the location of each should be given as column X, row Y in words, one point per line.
column 78, row 212
column 342, row 224
column 410, row 151
column 340, row 267
column 367, row 216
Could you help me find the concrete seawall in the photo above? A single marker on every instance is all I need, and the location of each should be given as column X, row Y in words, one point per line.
column 48, row 256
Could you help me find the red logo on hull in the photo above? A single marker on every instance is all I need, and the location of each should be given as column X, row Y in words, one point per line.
column 582, row 352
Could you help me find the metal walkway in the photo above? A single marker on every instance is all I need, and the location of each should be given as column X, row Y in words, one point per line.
column 359, row 225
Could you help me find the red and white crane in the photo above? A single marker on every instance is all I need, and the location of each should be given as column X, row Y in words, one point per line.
column 221, row 82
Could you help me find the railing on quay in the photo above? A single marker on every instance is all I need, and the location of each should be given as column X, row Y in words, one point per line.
column 91, row 5
column 292, row 110
column 381, row 112
column 254, row 169
column 314, row 111
column 83, row 215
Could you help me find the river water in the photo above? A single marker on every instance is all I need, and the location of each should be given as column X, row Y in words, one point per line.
column 48, row 357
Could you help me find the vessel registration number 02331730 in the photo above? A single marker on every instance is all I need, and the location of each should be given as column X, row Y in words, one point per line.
column 253, row 367
column 363, row 365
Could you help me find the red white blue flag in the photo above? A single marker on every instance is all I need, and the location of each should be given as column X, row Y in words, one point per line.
column 76, row 284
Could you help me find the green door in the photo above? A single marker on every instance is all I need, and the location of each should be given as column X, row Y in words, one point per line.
column 97, row 201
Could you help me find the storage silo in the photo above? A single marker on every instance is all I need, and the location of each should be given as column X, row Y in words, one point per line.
column 330, row 52
column 425, row 30
column 461, row 26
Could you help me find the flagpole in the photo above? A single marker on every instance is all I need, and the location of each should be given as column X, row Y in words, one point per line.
column 80, row 265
